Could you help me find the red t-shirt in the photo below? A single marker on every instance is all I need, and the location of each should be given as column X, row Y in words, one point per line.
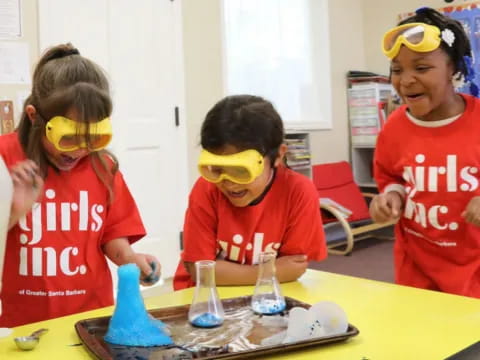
column 54, row 263
column 437, row 165
column 286, row 221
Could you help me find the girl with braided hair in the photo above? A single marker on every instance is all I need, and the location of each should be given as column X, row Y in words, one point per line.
column 427, row 157
column 71, row 207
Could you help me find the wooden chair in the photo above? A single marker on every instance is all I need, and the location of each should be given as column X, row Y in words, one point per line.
column 344, row 208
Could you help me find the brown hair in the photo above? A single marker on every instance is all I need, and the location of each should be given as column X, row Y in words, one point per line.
column 64, row 80
column 245, row 121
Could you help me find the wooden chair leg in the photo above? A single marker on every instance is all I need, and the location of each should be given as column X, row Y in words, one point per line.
column 349, row 240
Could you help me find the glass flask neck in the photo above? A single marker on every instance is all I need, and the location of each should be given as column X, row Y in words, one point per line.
column 267, row 297
column 205, row 271
column 266, row 265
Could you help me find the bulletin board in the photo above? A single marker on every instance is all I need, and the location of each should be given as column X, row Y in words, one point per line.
column 469, row 16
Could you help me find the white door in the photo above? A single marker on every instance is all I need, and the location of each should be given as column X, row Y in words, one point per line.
column 140, row 45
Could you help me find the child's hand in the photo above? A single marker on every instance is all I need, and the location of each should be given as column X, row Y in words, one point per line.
column 290, row 267
column 120, row 253
column 150, row 268
column 386, row 207
column 27, row 187
column 472, row 211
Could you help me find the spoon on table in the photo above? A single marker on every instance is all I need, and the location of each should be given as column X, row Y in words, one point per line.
column 29, row 342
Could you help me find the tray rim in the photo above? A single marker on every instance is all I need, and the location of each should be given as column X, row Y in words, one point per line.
column 98, row 351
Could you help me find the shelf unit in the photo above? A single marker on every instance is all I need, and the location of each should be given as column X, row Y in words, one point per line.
column 362, row 165
column 367, row 97
column 299, row 157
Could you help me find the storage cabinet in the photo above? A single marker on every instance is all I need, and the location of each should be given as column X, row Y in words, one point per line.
column 362, row 165
column 367, row 98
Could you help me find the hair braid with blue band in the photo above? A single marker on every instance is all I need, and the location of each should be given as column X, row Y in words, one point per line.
column 470, row 75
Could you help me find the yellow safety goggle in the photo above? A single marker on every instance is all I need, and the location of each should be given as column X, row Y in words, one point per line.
column 69, row 135
column 419, row 37
column 242, row 168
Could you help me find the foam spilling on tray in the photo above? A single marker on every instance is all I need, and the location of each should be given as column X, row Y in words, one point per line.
column 131, row 325
column 324, row 318
column 269, row 306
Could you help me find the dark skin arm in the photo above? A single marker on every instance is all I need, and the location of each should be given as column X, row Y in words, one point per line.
column 289, row 268
column 386, row 207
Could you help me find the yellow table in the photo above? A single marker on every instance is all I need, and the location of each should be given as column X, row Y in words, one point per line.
column 395, row 322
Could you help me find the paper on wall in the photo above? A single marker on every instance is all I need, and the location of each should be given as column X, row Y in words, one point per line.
column 14, row 63
column 22, row 95
column 10, row 19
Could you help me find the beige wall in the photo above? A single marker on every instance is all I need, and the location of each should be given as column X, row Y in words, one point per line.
column 203, row 69
column 346, row 53
column 29, row 36
column 379, row 16
column 204, row 83
column 356, row 27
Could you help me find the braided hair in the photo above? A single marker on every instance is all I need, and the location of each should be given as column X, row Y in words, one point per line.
column 460, row 53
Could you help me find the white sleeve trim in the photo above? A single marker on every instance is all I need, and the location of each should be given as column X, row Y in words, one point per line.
column 395, row 187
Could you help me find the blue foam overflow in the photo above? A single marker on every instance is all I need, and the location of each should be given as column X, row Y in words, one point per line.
column 131, row 325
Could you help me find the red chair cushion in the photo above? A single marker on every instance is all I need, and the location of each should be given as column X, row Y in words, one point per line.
column 335, row 181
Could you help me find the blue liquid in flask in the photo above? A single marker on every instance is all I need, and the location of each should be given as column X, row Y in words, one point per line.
column 267, row 297
column 206, row 310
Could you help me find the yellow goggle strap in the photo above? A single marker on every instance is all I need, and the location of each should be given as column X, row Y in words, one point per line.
column 242, row 168
column 69, row 135
column 418, row 37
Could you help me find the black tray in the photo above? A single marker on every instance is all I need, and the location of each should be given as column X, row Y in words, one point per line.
column 92, row 331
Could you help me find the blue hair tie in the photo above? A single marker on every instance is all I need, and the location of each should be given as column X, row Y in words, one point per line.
column 422, row 9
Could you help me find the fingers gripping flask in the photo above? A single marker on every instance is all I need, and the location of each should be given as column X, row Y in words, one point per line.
column 267, row 297
column 206, row 310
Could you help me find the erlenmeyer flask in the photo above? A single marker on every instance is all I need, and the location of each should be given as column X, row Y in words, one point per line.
column 206, row 310
column 267, row 298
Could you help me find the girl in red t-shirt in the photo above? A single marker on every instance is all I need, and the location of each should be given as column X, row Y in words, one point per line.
column 427, row 161
column 247, row 201
column 71, row 207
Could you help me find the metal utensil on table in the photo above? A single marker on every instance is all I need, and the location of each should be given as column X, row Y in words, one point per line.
column 29, row 342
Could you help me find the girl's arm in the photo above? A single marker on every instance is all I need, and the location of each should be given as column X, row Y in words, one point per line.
column 27, row 187
column 120, row 252
column 388, row 204
column 386, row 207
column 289, row 268
column 472, row 211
